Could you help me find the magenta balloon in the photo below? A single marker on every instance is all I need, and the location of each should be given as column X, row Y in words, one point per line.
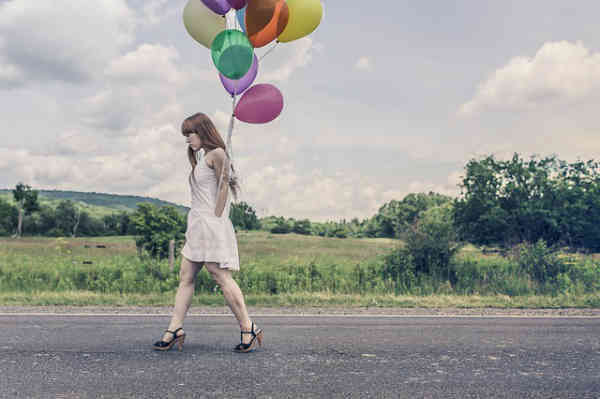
column 238, row 4
column 218, row 6
column 235, row 87
column 260, row 104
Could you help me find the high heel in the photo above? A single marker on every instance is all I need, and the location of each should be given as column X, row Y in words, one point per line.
column 177, row 339
column 257, row 338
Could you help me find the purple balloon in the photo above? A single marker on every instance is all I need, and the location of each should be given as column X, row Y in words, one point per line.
column 238, row 4
column 235, row 87
column 218, row 6
column 260, row 104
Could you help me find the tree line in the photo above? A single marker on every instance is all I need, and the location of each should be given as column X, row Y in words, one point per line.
column 502, row 203
column 29, row 217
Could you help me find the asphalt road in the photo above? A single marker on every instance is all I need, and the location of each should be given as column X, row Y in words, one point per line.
column 108, row 356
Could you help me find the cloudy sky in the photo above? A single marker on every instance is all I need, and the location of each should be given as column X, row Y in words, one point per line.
column 383, row 99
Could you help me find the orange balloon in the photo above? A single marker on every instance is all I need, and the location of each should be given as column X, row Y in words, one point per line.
column 265, row 20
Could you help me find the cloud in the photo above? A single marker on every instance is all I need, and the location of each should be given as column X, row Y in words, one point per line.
column 64, row 40
column 559, row 73
column 140, row 86
column 148, row 64
column 363, row 64
column 285, row 60
column 156, row 11
column 144, row 163
column 285, row 190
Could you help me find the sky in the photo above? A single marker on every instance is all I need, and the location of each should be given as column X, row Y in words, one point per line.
column 383, row 99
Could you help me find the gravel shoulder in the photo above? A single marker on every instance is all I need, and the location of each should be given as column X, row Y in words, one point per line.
column 295, row 311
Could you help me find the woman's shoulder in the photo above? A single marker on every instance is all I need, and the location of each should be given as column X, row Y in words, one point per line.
column 218, row 154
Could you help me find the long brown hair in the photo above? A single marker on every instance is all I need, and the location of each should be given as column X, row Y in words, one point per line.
column 201, row 124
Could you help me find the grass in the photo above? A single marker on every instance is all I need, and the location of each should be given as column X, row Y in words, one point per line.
column 88, row 298
column 277, row 270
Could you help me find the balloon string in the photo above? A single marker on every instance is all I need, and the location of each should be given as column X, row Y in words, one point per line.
column 231, row 124
column 268, row 51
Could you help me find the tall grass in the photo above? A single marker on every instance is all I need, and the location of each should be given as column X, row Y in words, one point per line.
column 291, row 268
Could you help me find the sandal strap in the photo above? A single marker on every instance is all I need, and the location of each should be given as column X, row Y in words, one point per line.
column 248, row 332
column 174, row 332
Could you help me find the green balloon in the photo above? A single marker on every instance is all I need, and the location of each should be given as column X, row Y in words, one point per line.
column 232, row 53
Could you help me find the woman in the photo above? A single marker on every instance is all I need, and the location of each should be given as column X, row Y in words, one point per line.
column 210, row 238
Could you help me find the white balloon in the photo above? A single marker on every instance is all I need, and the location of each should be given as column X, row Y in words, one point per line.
column 201, row 23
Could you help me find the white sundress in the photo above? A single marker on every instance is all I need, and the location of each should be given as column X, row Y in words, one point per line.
column 209, row 238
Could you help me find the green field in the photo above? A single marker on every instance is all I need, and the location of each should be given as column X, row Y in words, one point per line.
column 277, row 270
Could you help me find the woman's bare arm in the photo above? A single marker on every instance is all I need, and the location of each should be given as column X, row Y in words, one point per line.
column 222, row 170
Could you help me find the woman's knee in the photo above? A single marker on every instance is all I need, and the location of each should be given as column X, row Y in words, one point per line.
column 188, row 272
column 220, row 276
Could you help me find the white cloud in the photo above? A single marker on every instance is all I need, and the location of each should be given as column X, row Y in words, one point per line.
column 363, row 64
column 140, row 89
column 559, row 73
column 65, row 40
column 151, row 162
column 285, row 190
column 281, row 63
column 148, row 64
column 156, row 11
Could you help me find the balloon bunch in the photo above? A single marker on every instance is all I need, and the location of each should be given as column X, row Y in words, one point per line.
column 232, row 46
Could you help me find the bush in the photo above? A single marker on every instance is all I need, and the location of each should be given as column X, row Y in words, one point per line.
column 302, row 227
column 540, row 262
column 432, row 242
column 243, row 216
column 281, row 226
column 156, row 227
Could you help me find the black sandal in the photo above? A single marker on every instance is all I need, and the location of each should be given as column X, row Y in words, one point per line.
column 165, row 346
column 257, row 337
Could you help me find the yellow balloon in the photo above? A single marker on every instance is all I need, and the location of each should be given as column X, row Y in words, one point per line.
column 305, row 16
column 201, row 23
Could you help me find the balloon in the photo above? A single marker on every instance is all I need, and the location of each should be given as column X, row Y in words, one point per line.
column 201, row 23
column 238, row 4
column 260, row 104
column 265, row 20
column 305, row 16
column 235, row 87
column 218, row 6
column 232, row 53
column 241, row 16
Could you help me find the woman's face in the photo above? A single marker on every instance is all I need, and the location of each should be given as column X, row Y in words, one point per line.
column 194, row 141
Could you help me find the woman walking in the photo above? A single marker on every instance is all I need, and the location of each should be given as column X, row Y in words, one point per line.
column 210, row 238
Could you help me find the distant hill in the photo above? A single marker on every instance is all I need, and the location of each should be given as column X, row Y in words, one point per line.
column 98, row 203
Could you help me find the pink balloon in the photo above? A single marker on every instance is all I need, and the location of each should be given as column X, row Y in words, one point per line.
column 238, row 4
column 260, row 104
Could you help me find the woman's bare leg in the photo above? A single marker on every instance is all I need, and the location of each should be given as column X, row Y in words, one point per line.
column 233, row 296
column 185, row 292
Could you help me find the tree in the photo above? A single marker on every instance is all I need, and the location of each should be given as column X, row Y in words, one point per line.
column 513, row 201
column 47, row 220
column 243, row 216
column 125, row 225
column 90, row 226
column 111, row 224
column 67, row 218
column 155, row 227
column 395, row 217
column 27, row 202
column 9, row 216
